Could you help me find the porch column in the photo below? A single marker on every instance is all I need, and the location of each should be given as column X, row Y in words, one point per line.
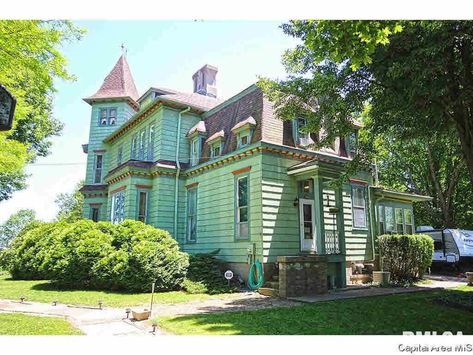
column 319, row 214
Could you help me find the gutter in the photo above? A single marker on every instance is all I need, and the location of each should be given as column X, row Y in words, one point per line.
column 178, row 168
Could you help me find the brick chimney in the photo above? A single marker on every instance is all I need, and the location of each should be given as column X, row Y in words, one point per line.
column 205, row 81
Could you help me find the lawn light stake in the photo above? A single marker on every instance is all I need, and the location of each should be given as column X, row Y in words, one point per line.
column 228, row 275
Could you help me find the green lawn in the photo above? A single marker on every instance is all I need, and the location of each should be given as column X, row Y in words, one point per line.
column 373, row 315
column 43, row 291
column 21, row 324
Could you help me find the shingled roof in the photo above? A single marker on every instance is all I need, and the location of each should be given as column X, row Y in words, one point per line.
column 119, row 83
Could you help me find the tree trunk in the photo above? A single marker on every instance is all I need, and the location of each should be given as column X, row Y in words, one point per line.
column 465, row 133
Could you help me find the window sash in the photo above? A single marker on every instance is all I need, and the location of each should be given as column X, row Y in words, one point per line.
column 98, row 165
column 94, row 213
column 142, row 206
column 408, row 220
column 358, row 206
column 192, row 215
column 118, row 207
column 242, row 207
column 194, row 151
column 390, row 223
column 399, row 216
column 215, row 150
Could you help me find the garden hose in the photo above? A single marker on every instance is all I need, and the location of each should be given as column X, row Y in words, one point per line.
column 255, row 275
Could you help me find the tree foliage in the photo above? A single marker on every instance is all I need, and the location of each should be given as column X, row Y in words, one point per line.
column 416, row 77
column 30, row 61
column 15, row 225
column 70, row 205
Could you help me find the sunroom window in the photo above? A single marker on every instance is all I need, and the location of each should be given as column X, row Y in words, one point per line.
column 399, row 220
column 408, row 221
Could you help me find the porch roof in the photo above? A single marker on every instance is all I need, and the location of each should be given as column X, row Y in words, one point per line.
column 398, row 195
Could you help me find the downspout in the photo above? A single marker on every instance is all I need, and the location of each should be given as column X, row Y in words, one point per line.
column 178, row 169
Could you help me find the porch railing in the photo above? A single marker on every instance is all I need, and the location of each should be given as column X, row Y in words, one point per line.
column 332, row 243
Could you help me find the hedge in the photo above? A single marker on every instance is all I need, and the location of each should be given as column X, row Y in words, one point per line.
column 407, row 257
column 127, row 256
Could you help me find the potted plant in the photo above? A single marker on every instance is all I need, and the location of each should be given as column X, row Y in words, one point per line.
column 469, row 277
column 382, row 277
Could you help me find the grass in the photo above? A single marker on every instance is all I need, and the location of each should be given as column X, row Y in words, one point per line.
column 21, row 324
column 389, row 315
column 44, row 291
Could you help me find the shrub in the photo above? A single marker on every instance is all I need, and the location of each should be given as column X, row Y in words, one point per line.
column 205, row 275
column 128, row 256
column 407, row 257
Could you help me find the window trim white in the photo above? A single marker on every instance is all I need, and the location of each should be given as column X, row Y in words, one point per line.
column 190, row 218
column 355, row 207
column 238, row 208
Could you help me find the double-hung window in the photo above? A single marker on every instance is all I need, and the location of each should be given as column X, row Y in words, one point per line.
column 142, row 146
column 134, row 147
column 151, row 136
column 408, row 221
column 142, row 206
column 98, row 164
column 108, row 116
column 94, row 213
column 192, row 214
column 358, row 206
column 382, row 223
column 399, row 220
column 389, row 213
column 215, row 150
column 118, row 207
column 242, row 207
column 195, row 151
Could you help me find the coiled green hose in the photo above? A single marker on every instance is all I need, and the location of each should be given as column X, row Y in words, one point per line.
column 256, row 273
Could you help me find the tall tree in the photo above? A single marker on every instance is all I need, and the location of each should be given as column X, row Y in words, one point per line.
column 417, row 77
column 30, row 61
column 70, row 204
column 429, row 166
column 15, row 225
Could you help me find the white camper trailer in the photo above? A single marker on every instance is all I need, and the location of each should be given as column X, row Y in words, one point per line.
column 451, row 246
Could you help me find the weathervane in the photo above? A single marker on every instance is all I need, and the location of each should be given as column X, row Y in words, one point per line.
column 124, row 50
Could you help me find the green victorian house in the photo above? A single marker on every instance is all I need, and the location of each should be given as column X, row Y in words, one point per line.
column 228, row 175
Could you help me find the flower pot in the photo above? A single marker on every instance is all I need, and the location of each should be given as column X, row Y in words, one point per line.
column 141, row 315
column 381, row 277
column 469, row 277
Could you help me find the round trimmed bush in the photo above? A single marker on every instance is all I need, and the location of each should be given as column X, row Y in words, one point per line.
column 407, row 257
column 128, row 256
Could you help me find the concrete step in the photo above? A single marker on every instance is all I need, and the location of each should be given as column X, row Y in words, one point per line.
column 272, row 284
column 266, row 291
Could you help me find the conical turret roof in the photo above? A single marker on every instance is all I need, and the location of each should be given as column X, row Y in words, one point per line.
column 119, row 83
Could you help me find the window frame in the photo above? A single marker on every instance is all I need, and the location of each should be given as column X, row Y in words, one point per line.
column 138, row 205
column 390, row 208
column 108, row 116
column 96, row 156
column 191, row 218
column 194, row 151
column 237, row 208
column 411, row 225
column 241, row 135
column 381, row 219
column 355, row 207
column 113, row 203
column 92, row 210
column 401, row 211
column 214, row 146
column 142, row 140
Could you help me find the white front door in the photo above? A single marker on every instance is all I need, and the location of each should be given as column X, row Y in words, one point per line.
column 307, row 225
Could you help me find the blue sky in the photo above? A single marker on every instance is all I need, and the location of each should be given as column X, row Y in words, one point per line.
column 160, row 53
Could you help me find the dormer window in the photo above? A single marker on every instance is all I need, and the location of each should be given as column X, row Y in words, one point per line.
column 243, row 139
column 215, row 142
column 108, row 116
column 215, row 150
column 351, row 143
column 195, row 151
column 244, row 130
column 195, row 136
column 300, row 134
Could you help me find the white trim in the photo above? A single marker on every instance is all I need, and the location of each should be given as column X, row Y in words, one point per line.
column 303, row 246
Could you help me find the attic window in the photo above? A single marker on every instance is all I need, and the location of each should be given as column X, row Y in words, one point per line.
column 243, row 139
column 215, row 150
column 300, row 134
